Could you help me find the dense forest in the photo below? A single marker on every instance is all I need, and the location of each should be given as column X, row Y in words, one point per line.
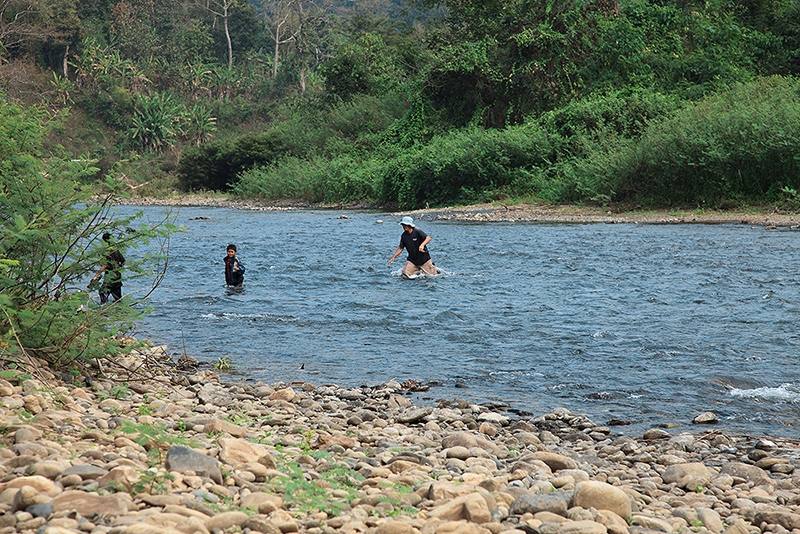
column 416, row 103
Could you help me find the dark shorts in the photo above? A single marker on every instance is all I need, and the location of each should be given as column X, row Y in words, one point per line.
column 419, row 262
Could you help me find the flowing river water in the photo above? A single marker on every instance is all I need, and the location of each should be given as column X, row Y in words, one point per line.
column 642, row 323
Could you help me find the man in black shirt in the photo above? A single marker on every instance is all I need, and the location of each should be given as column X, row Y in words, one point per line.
column 415, row 241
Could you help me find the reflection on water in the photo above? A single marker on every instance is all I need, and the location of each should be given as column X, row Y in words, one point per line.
column 643, row 323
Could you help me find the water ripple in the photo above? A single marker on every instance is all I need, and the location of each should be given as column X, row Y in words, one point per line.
column 648, row 323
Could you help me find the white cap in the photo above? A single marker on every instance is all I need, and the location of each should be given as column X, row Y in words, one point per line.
column 408, row 221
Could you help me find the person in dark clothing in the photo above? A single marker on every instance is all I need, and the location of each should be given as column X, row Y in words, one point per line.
column 415, row 242
column 234, row 269
column 111, row 271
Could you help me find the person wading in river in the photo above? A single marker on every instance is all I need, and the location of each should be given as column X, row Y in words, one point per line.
column 234, row 269
column 415, row 241
column 111, row 271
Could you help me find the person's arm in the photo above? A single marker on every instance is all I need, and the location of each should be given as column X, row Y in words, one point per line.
column 397, row 252
column 425, row 242
column 99, row 273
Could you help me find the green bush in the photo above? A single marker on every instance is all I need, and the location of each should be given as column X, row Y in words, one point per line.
column 343, row 179
column 468, row 165
column 216, row 165
column 156, row 122
column 624, row 112
column 739, row 144
column 50, row 229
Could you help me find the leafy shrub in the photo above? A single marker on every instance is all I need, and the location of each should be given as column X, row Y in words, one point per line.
column 156, row 122
column 743, row 143
column 344, row 179
column 217, row 164
column 50, row 245
column 467, row 166
column 624, row 112
column 199, row 124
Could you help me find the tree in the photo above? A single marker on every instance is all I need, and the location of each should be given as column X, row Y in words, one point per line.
column 222, row 9
column 300, row 23
column 16, row 24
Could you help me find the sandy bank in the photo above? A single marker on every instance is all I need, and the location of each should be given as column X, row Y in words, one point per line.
column 523, row 213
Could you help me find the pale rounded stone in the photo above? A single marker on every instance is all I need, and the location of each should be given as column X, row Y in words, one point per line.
column 264, row 503
column 706, row 418
column 602, row 496
column 226, row 520
column 613, row 522
column 555, row 461
column 471, row 507
column 395, row 527
column 688, row 476
column 286, row 394
column 581, row 527
column 39, row 483
column 652, row 523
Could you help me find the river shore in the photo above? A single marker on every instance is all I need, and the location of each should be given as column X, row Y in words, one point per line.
column 523, row 213
column 159, row 446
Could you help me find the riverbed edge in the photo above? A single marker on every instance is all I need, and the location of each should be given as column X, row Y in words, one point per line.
column 501, row 213
column 158, row 445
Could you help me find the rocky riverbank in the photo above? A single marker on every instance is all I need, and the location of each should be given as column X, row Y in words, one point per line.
column 523, row 213
column 184, row 452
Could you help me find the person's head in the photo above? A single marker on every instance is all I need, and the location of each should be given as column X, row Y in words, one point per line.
column 231, row 250
column 408, row 224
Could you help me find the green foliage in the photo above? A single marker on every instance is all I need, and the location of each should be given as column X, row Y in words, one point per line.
column 469, row 165
column 741, row 143
column 152, row 437
column 223, row 364
column 14, row 375
column 364, row 65
column 153, row 481
column 50, row 229
column 118, row 391
column 156, row 121
column 305, row 497
column 557, row 101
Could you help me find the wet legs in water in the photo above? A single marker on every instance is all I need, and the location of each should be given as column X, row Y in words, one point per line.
column 428, row 268
column 114, row 292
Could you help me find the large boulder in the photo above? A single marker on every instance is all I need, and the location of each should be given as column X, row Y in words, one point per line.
column 224, row 427
column 183, row 459
column 688, row 476
column 39, row 483
column 581, row 527
column 750, row 473
column 89, row 504
column 784, row 518
column 468, row 440
column 613, row 523
column 226, row 520
column 471, row 507
column 85, row 471
column 555, row 503
column 238, row 452
column 554, row 461
column 602, row 496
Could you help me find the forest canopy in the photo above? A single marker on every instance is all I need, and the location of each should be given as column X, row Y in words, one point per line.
column 409, row 104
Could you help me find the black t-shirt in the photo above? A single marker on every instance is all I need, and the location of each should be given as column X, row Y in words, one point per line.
column 411, row 243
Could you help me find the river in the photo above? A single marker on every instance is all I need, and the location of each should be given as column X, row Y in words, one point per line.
column 641, row 323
